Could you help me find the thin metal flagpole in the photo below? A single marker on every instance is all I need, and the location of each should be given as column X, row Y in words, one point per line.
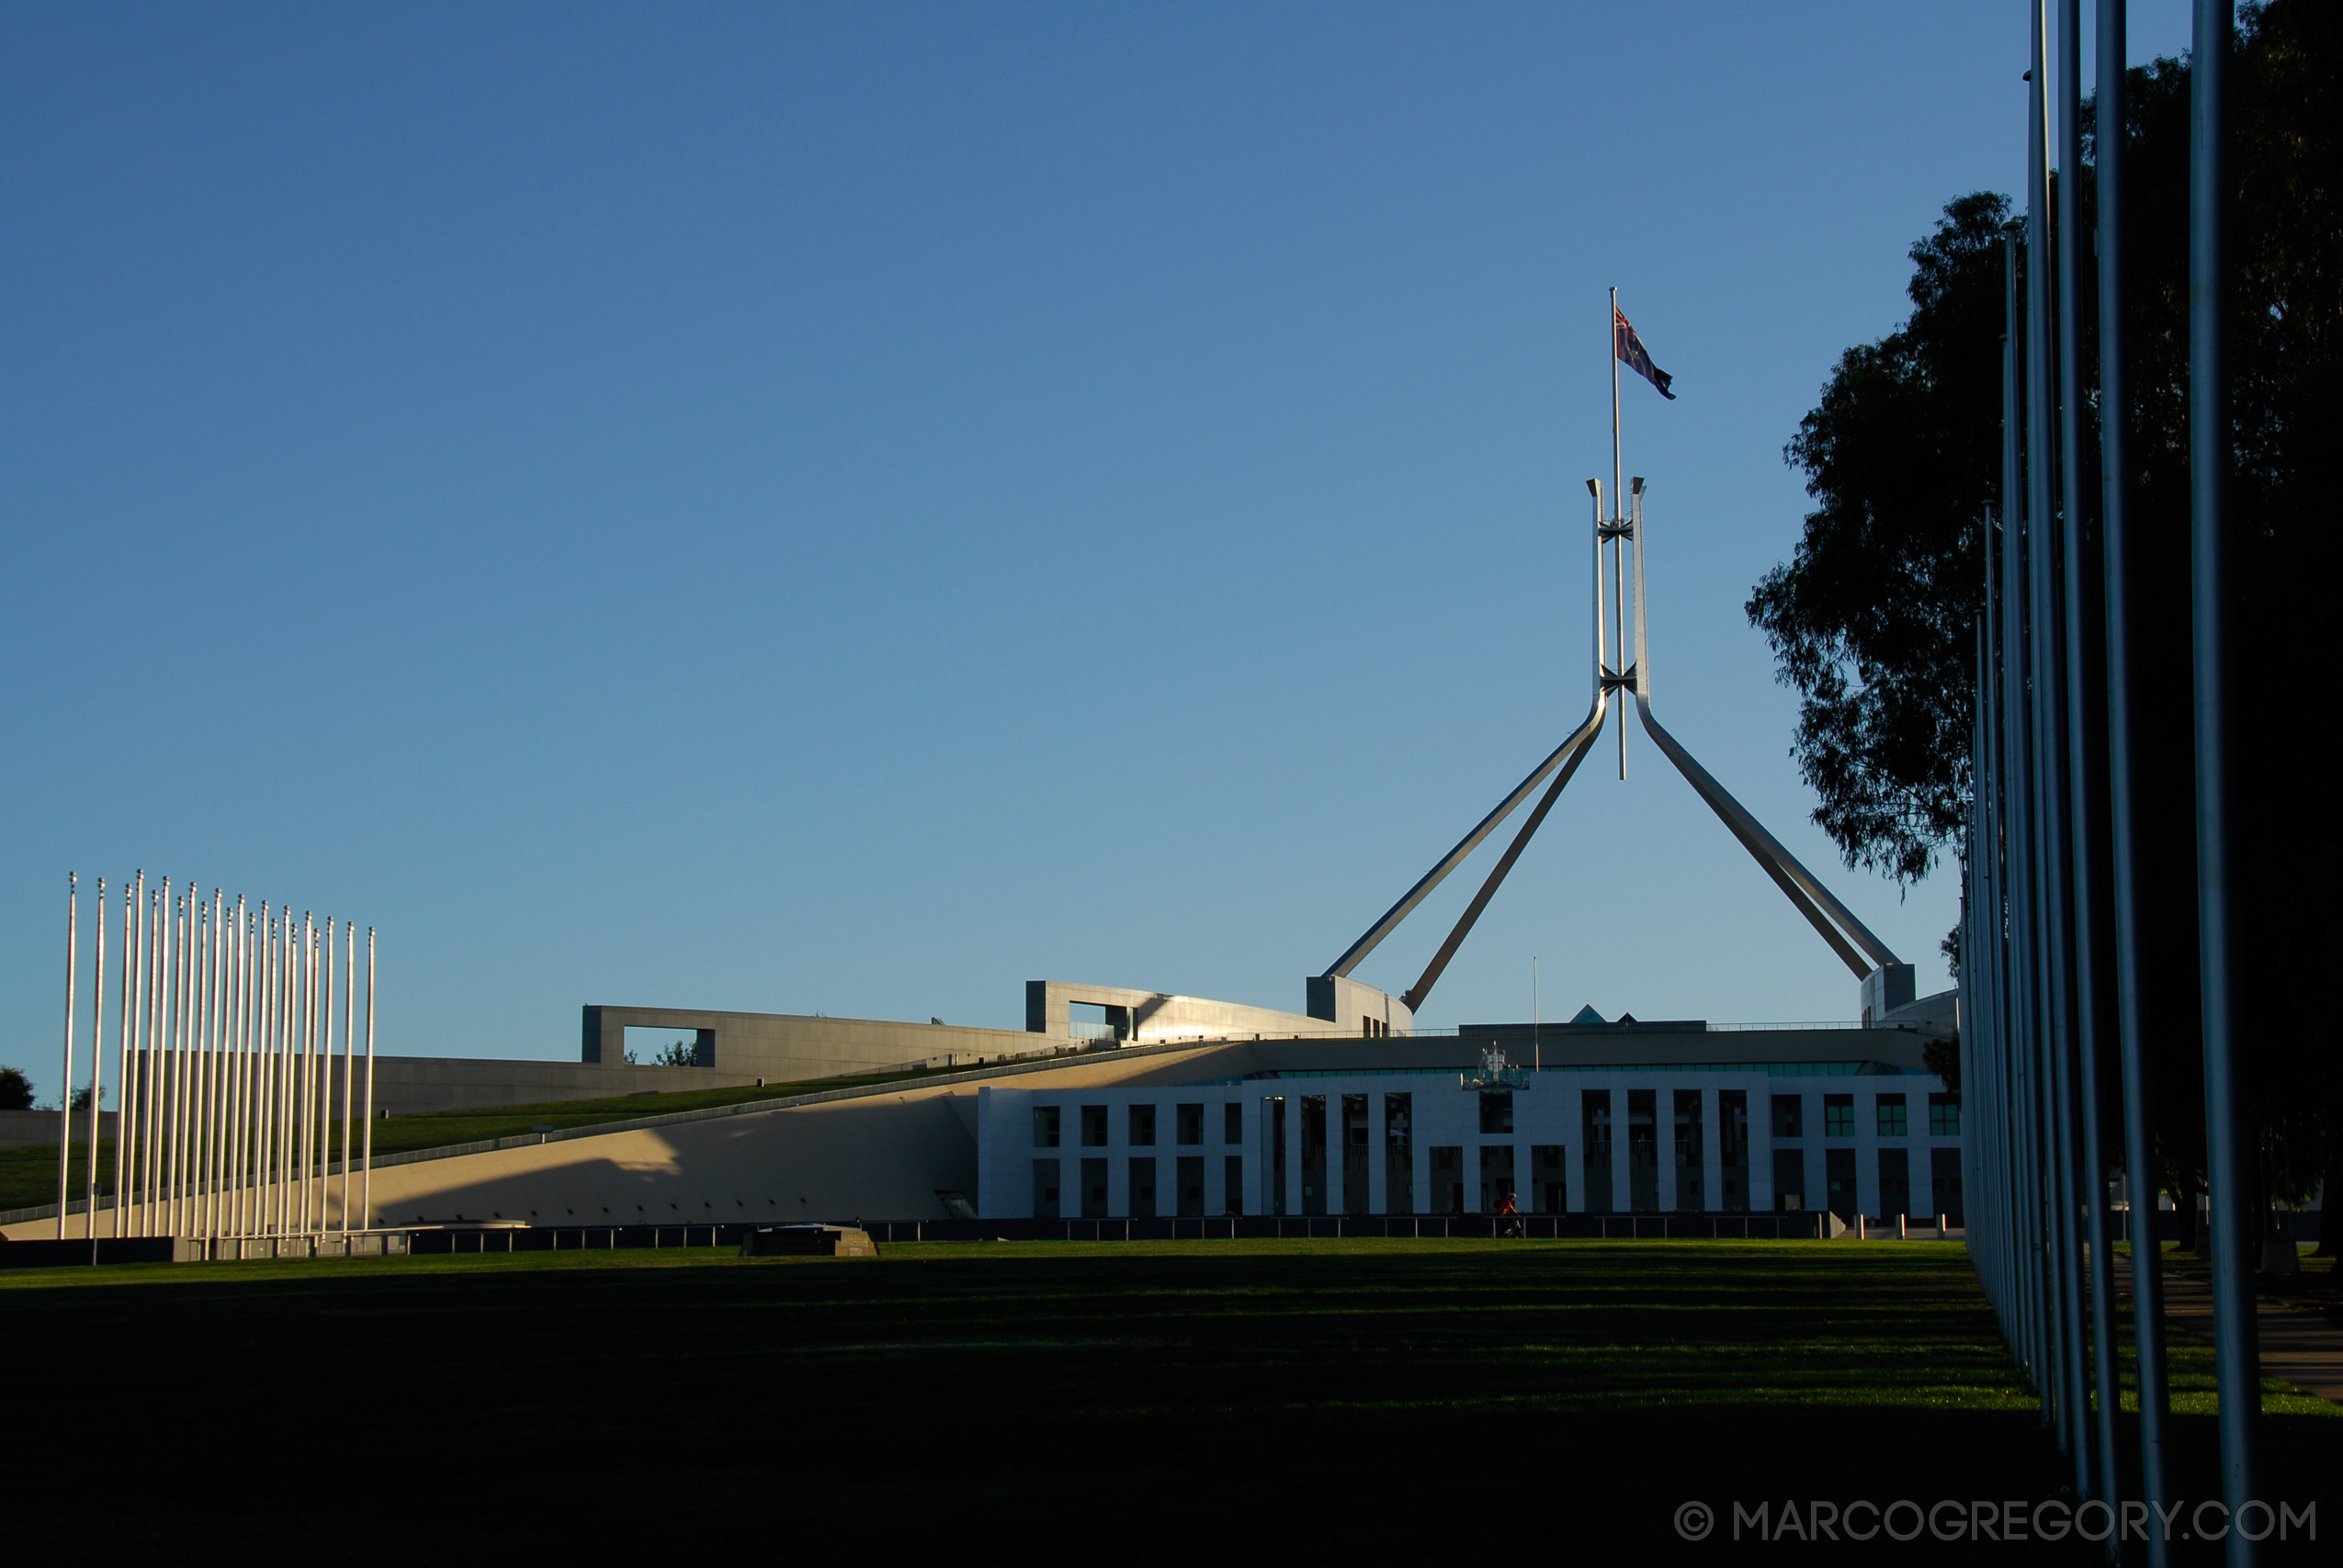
column 65, row 1094
column 349, row 1054
column 97, row 1074
column 365, row 1185
column 325, row 1085
column 309, row 1063
column 122, row 1065
column 2229, row 1139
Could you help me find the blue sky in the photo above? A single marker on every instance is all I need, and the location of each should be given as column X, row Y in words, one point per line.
column 850, row 509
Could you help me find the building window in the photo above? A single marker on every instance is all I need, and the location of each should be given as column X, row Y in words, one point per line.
column 1447, row 1179
column 1232, row 1124
column 1232, row 1184
column 1944, row 1115
column 1549, row 1179
column 1692, row 1152
column 1894, row 1182
column 1839, row 1181
column 1790, row 1180
column 1891, row 1116
column 1496, row 1110
column 1944, row 1183
column 1191, row 1185
column 1643, row 1149
column 1733, row 1140
column 1496, row 1177
column 1355, row 1149
column 1093, row 1188
column 1143, row 1188
column 1272, row 1136
column 1045, row 1189
column 1837, row 1115
column 1191, row 1121
column 1313, row 1154
column 1142, row 1126
column 1399, row 1153
column 1044, row 1126
column 1595, row 1113
column 1789, row 1115
column 1093, row 1127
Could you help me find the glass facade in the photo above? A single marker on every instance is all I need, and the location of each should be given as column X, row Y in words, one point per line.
column 1355, row 1150
column 1399, row 1154
column 1692, row 1152
column 1733, row 1148
column 1594, row 1111
column 1643, row 1150
column 1313, row 1154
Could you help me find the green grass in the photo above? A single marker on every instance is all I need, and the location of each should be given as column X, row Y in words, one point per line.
column 28, row 1176
column 1380, row 1401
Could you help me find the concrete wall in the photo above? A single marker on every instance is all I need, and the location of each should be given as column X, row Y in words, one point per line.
column 1150, row 1017
column 26, row 1129
column 791, row 1047
column 1353, row 1006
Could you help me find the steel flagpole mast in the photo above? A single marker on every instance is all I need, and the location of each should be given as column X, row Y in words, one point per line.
column 65, row 1093
column 96, row 1076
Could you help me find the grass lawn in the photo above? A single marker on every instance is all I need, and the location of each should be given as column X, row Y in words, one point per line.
column 1442, row 1400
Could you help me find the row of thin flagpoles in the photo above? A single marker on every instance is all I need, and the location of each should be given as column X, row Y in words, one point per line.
column 223, row 1035
column 2050, row 966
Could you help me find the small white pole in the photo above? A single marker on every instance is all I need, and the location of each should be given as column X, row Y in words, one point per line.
column 308, row 1060
column 366, row 1182
column 125, row 1119
column 325, row 1085
column 349, row 1056
column 96, row 1076
column 65, row 1094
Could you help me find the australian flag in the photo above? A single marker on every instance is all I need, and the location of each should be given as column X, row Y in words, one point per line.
column 1635, row 357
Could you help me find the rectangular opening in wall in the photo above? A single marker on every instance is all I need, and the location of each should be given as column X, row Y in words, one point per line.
column 1692, row 1152
column 1497, row 1188
column 1142, row 1126
column 1595, row 1113
column 1733, row 1140
column 1355, row 1149
column 1944, row 1115
column 1093, row 1127
column 1044, row 1126
column 1232, row 1185
column 1839, row 1182
column 1190, row 1123
column 1399, row 1153
column 1549, row 1183
column 1143, row 1188
column 1045, row 1189
column 1789, row 1116
column 1272, row 1164
column 1944, row 1183
column 1496, row 1112
column 1447, row 1179
column 1837, row 1115
column 1643, row 1150
column 1790, row 1180
column 1192, row 1187
column 1094, row 1020
column 1894, row 1182
column 1313, row 1154
column 1093, row 1189
column 670, row 1047
column 1893, row 1120
column 1232, row 1124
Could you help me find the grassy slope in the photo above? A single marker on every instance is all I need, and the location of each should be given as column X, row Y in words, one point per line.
column 1206, row 1401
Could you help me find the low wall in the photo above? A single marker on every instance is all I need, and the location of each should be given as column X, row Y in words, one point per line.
column 24, row 1129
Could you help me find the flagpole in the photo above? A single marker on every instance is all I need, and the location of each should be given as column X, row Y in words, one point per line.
column 1616, row 467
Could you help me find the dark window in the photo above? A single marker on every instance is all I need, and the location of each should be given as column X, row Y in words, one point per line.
column 1837, row 1115
column 1497, row 1177
column 1143, row 1188
column 1313, row 1154
column 1944, row 1183
column 1192, row 1182
column 1944, row 1115
column 1643, row 1149
column 1789, row 1115
column 1733, row 1141
column 1399, row 1153
column 1093, row 1188
column 1594, row 1111
column 1044, row 1189
column 1232, row 1124
column 1093, row 1127
column 1789, row 1178
column 1044, row 1126
column 1232, row 1187
column 1272, row 1131
column 1891, row 1116
column 1839, row 1177
column 1549, row 1178
column 1496, row 1110
column 1447, row 1179
column 1894, row 1182
column 1190, row 1120
column 1692, row 1152
column 1355, row 1149
column 1142, row 1126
